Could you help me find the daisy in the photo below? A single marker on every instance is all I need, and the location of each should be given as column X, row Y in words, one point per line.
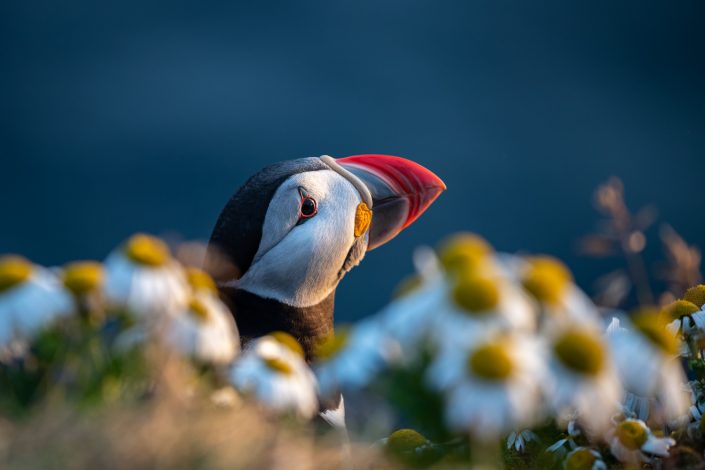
column 562, row 445
column 492, row 388
column 550, row 283
column 584, row 458
column 200, row 281
column 474, row 302
column 519, row 440
column 407, row 319
column 688, row 323
column 480, row 291
column 584, row 383
column 351, row 358
column 466, row 252
column 411, row 448
column 646, row 357
column 205, row 331
column 31, row 298
column 696, row 295
column 276, row 376
column 142, row 278
column 685, row 316
column 694, row 423
column 427, row 268
column 631, row 441
column 84, row 279
column 452, row 296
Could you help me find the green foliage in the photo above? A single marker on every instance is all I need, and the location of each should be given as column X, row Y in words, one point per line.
column 74, row 360
column 405, row 389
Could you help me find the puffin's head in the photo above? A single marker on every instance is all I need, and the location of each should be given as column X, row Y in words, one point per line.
column 293, row 230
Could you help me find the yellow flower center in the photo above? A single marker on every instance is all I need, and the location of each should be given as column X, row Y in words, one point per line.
column 631, row 434
column 198, row 309
column 581, row 459
column 491, row 361
column 696, row 295
column 83, row 277
column 405, row 440
column 651, row 325
column 680, row 308
column 407, row 286
column 289, row 341
column 464, row 252
column 331, row 345
column 147, row 250
column 14, row 270
column 200, row 280
column 581, row 351
column 475, row 294
column 278, row 365
column 546, row 279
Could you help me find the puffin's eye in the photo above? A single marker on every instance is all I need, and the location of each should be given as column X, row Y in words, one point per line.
column 309, row 208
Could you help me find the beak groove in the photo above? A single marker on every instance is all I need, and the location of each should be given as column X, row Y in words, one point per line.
column 401, row 191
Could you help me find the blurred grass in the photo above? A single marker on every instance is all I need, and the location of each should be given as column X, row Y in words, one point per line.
column 181, row 424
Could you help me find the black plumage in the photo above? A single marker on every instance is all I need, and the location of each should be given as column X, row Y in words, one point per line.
column 232, row 248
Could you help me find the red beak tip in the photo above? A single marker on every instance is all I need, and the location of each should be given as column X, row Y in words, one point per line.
column 387, row 165
column 420, row 184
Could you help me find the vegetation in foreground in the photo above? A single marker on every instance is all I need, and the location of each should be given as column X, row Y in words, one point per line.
column 482, row 358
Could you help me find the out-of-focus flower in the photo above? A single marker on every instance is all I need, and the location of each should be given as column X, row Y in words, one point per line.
column 646, row 357
column 695, row 295
column 694, row 423
column 273, row 372
column 142, row 278
column 564, row 444
column 475, row 302
column 687, row 321
column 31, row 298
column 467, row 252
column 584, row 382
column 407, row 319
column 410, row 447
column 561, row 302
column 491, row 388
column 481, row 291
column 686, row 317
column 205, row 331
column 584, row 458
column 519, row 440
column 631, row 441
column 84, row 279
column 200, row 281
column 350, row 358
column 452, row 297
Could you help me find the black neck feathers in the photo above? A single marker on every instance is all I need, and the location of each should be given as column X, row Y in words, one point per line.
column 257, row 316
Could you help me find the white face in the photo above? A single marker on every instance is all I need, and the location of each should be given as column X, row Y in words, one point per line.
column 300, row 262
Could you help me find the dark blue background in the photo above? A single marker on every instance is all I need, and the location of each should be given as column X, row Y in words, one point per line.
column 145, row 116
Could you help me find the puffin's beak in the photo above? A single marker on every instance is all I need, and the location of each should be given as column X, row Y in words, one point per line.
column 401, row 191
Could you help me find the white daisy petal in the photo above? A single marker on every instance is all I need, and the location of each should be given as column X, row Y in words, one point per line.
column 146, row 287
column 205, row 331
column 31, row 301
column 276, row 377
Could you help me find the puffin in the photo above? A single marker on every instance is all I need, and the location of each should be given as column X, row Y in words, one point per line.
column 291, row 232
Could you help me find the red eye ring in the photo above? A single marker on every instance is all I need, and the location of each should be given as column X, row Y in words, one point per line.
column 309, row 207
